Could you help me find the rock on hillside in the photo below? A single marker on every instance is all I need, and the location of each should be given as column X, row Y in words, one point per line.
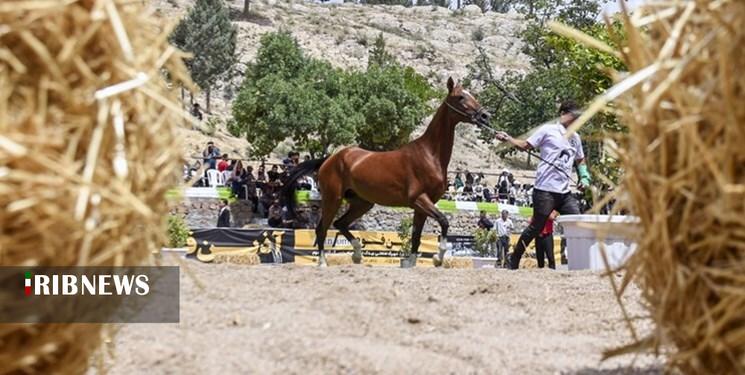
column 435, row 41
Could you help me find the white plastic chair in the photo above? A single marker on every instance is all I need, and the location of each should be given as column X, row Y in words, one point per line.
column 214, row 178
column 226, row 176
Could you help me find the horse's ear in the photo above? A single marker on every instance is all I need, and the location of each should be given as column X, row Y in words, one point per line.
column 451, row 84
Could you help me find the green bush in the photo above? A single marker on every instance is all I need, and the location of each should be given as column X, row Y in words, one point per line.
column 178, row 232
column 211, row 125
column 477, row 35
column 404, row 232
column 482, row 239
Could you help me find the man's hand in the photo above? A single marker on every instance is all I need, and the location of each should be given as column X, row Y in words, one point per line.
column 584, row 177
column 502, row 136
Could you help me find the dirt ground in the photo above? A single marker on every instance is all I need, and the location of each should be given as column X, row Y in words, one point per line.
column 363, row 320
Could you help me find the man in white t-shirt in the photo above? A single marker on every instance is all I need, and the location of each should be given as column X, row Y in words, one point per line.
column 504, row 230
column 559, row 155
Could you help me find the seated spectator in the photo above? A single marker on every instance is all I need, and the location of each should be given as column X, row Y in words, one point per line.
column 512, row 197
column 458, row 182
column 237, row 180
column 484, row 222
column 273, row 174
column 294, row 158
column 480, row 178
column 503, row 190
column 314, row 216
column 486, row 193
column 469, row 178
column 478, row 192
column 287, row 220
column 223, row 164
column 307, row 158
column 196, row 111
column 275, row 215
column 468, row 189
column 504, row 176
column 305, row 183
column 260, row 173
column 210, row 155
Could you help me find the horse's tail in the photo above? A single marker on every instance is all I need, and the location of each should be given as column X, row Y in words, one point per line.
column 302, row 169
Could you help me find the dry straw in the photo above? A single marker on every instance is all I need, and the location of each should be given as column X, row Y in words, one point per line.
column 87, row 151
column 685, row 179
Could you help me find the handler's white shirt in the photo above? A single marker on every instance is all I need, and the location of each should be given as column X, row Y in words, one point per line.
column 558, row 150
column 504, row 227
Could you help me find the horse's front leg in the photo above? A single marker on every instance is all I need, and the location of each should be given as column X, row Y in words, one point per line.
column 424, row 205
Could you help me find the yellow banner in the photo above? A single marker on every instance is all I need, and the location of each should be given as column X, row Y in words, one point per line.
column 383, row 243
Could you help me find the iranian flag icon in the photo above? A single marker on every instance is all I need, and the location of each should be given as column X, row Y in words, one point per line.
column 28, row 283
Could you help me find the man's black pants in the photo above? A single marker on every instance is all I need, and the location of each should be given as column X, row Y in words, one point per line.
column 544, row 248
column 544, row 202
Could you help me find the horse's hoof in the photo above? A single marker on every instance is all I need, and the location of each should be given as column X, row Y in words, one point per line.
column 407, row 263
column 357, row 259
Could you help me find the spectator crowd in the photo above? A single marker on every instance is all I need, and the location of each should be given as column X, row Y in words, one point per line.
column 473, row 187
column 261, row 186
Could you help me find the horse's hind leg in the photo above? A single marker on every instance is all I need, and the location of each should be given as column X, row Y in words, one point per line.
column 330, row 204
column 357, row 208
column 416, row 237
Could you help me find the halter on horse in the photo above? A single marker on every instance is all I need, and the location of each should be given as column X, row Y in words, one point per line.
column 413, row 176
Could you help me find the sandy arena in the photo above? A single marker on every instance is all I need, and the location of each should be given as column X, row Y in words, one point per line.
column 360, row 320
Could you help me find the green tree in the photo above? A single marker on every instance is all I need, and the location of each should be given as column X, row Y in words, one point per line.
column 379, row 56
column 206, row 32
column 285, row 94
column 562, row 69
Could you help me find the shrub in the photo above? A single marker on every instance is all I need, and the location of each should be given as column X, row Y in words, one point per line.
column 178, row 232
column 211, row 125
column 478, row 34
column 404, row 232
column 482, row 239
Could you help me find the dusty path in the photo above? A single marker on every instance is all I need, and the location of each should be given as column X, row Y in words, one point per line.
column 360, row 320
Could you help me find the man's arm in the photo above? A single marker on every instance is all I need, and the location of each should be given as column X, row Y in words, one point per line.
column 518, row 143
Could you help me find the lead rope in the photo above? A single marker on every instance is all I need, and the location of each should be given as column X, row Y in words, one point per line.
column 456, row 110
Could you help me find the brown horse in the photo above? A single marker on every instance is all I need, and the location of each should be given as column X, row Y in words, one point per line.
column 413, row 176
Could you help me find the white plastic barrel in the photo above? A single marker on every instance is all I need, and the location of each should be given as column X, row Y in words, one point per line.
column 586, row 234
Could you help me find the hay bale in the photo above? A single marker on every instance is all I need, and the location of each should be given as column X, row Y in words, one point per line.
column 338, row 259
column 685, row 179
column 457, row 262
column 528, row 262
column 247, row 259
column 88, row 149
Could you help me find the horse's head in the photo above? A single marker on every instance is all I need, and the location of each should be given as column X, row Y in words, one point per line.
column 464, row 105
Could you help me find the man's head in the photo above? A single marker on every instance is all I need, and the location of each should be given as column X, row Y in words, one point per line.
column 274, row 168
column 483, row 213
column 223, row 203
column 505, row 214
column 225, row 157
column 465, row 105
column 568, row 112
column 196, row 106
column 295, row 157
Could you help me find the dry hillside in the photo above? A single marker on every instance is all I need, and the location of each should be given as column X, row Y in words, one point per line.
column 435, row 41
